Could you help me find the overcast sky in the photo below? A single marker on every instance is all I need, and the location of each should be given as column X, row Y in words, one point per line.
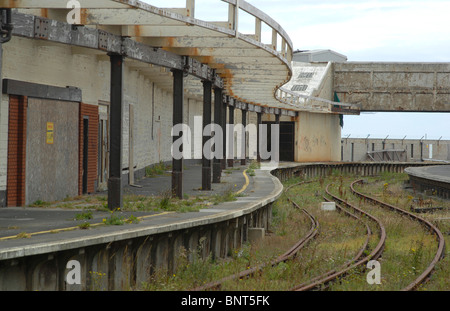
column 394, row 31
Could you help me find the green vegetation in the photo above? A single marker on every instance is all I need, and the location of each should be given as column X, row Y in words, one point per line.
column 39, row 203
column 157, row 170
column 408, row 251
column 254, row 165
column 84, row 216
column 84, row 225
column 114, row 219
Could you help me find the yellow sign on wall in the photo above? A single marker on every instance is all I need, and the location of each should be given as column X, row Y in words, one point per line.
column 50, row 132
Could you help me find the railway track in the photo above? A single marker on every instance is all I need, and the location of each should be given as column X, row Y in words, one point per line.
column 288, row 255
column 373, row 226
column 359, row 260
column 425, row 223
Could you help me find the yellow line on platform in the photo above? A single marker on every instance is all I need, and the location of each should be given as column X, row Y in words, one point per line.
column 247, row 182
column 18, row 236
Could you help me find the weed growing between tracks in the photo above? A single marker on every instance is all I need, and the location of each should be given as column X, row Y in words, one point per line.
column 287, row 227
column 409, row 248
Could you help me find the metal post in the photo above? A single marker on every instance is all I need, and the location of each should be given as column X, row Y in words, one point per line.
column 218, row 120
column 244, row 137
column 177, row 164
column 115, row 190
column 231, row 139
column 277, row 119
column 258, row 139
column 223, row 162
column 206, row 163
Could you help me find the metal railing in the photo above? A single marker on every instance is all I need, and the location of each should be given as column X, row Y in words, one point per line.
column 314, row 104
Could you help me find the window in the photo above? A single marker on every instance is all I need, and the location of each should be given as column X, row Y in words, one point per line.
column 299, row 88
column 306, row 75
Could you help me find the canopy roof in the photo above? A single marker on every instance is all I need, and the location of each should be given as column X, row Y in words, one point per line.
column 249, row 70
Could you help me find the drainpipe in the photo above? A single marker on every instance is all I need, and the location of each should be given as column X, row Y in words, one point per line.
column 421, row 149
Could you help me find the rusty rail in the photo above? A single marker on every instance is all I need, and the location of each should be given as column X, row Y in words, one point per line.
column 288, row 255
column 439, row 236
column 357, row 260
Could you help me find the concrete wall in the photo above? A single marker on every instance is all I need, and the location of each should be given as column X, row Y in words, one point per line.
column 411, row 87
column 318, row 138
column 125, row 264
column 318, row 135
column 59, row 65
column 413, row 149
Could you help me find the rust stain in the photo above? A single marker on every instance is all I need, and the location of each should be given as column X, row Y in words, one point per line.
column 139, row 39
column 44, row 13
column 84, row 16
column 137, row 31
column 170, row 41
column 227, row 74
column 206, row 59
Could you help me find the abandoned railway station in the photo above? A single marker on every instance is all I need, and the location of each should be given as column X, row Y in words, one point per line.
column 89, row 105
column 91, row 92
column 94, row 91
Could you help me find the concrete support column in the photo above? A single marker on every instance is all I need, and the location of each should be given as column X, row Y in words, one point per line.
column 218, row 120
column 244, row 137
column 206, row 163
column 231, row 139
column 115, row 189
column 177, row 164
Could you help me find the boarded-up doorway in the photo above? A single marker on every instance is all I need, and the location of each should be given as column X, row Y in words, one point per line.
column 103, row 146
column 286, row 140
column 52, row 150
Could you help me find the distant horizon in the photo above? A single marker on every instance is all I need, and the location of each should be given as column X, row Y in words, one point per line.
column 394, row 138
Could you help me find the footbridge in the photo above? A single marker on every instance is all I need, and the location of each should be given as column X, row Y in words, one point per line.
column 408, row 87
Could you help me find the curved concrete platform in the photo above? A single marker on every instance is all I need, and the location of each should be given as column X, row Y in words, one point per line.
column 129, row 253
column 432, row 179
column 49, row 225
